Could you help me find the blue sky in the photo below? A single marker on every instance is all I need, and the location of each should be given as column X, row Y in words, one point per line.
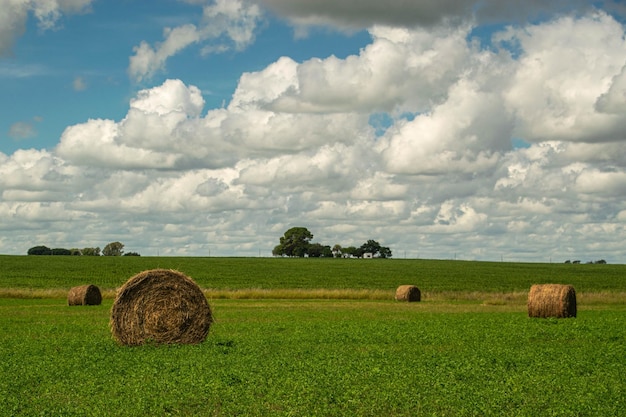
column 79, row 69
column 481, row 130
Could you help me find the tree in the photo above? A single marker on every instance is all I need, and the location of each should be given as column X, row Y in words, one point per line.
column 373, row 247
column 295, row 242
column 385, row 252
column 61, row 251
column 113, row 249
column 349, row 251
column 40, row 250
column 317, row 250
column 91, row 251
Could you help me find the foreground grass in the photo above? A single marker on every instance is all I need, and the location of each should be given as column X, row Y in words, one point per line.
column 317, row 337
column 317, row 357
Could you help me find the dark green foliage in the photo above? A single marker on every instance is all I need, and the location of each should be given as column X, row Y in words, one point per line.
column 373, row 247
column 40, row 250
column 350, row 251
column 61, row 251
column 113, row 249
column 131, row 254
column 91, row 251
column 295, row 242
column 44, row 250
column 317, row 250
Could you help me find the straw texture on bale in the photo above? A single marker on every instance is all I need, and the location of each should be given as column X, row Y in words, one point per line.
column 408, row 293
column 552, row 300
column 84, row 295
column 160, row 306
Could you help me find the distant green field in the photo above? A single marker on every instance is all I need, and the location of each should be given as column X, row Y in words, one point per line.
column 61, row 272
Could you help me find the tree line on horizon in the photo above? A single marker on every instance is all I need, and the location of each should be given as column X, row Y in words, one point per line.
column 111, row 249
column 296, row 242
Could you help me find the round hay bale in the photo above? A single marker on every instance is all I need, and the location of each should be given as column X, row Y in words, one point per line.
column 408, row 293
column 552, row 300
column 84, row 295
column 160, row 306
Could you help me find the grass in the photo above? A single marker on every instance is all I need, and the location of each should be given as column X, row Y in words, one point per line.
column 34, row 273
column 317, row 338
column 317, row 357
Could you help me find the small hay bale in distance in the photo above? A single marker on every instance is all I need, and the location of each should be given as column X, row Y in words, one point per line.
column 408, row 293
column 160, row 306
column 551, row 300
column 84, row 295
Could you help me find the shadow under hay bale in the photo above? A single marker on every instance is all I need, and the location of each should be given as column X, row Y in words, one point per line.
column 84, row 295
column 160, row 306
column 552, row 300
column 408, row 293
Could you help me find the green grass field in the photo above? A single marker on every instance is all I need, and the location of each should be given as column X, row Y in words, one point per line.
column 109, row 272
column 450, row 355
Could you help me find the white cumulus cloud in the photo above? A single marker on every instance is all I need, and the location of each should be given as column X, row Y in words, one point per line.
column 47, row 12
column 225, row 24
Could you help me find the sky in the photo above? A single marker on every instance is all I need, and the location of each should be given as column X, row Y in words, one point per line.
column 489, row 130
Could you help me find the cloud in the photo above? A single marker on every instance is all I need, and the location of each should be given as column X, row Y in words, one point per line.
column 79, row 84
column 295, row 147
column 383, row 77
column 22, row 130
column 567, row 79
column 173, row 97
column 12, row 24
column 144, row 138
column 32, row 171
column 15, row 12
column 595, row 181
column 235, row 19
column 466, row 134
column 148, row 60
column 164, row 129
column 230, row 23
column 613, row 101
column 12, row 70
column 351, row 14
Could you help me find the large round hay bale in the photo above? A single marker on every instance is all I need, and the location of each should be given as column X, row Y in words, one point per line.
column 552, row 300
column 408, row 293
column 160, row 306
column 84, row 295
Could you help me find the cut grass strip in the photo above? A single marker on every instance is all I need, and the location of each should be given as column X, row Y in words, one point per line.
column 299, row 294
column 474, row 297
